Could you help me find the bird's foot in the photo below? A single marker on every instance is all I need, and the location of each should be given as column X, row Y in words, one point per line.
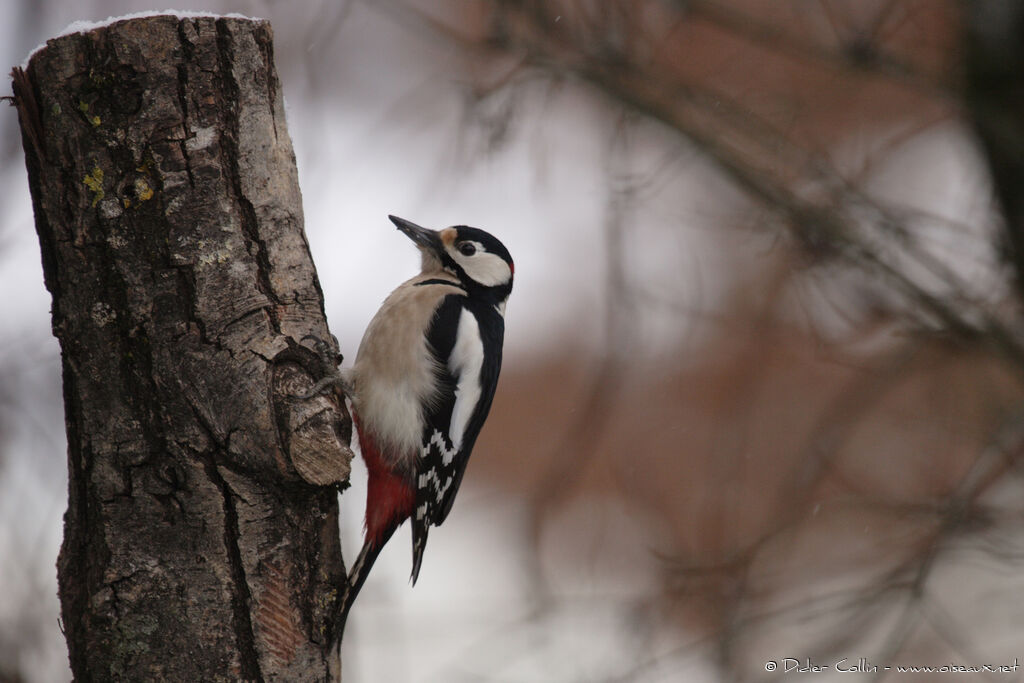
column 333, row 376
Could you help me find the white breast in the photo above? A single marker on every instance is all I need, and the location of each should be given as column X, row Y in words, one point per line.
column 393, row 375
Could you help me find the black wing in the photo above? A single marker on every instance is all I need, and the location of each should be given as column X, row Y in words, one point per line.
column 468, row 363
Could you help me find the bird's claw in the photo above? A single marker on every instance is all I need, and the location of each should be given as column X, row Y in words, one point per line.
column 333, row 377
column 326, row 352
column 336, row 379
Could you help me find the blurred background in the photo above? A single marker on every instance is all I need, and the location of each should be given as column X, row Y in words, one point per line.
column 762, row 395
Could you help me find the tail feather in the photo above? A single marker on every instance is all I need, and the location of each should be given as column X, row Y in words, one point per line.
column 419, row 544
column 356, row 578
column 390, row 497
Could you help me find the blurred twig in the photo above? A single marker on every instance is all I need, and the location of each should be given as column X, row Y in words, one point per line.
column 619, row 49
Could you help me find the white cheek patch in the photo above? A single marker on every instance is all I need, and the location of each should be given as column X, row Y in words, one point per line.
column 488, row 269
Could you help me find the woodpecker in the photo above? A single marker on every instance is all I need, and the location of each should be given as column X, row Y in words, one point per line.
column 422, row 384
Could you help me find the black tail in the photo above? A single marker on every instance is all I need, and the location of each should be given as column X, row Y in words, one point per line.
column 356, row 578
column 419, row 544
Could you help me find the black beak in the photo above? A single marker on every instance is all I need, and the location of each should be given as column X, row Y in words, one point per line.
column 423, row 237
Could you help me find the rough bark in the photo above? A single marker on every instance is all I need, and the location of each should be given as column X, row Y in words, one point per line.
column 201, row 536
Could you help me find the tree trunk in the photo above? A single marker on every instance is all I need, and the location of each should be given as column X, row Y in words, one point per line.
column 201, row 536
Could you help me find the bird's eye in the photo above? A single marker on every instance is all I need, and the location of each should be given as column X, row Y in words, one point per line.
column 467, row 248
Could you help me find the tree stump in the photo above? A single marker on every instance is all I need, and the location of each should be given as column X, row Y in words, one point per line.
column 201, row 536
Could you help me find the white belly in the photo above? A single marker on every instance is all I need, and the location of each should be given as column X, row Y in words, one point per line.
column 393, row 375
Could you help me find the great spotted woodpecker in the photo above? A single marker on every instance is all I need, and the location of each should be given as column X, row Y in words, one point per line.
column 422, row 384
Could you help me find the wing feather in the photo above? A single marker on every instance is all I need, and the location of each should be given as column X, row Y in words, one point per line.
column 466, row 343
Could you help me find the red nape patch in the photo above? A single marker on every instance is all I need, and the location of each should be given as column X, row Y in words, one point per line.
column 511, row 268
column 390, row 497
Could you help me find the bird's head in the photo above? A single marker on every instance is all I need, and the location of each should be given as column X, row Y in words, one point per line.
column 477, row 258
